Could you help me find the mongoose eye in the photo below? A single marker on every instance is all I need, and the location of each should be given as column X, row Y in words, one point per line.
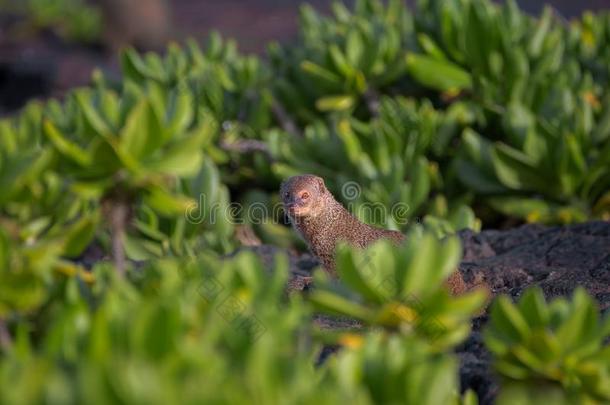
column 305, row 195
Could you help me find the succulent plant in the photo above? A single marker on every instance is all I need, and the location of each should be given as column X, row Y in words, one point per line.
column 343, row 62
column 436, row 117
column 545, row 131
column 381, row 169
column 229, row 84
column 120, row 150
column 401, row 289
column 390, row 369
column 557, row 350
column 72, row 20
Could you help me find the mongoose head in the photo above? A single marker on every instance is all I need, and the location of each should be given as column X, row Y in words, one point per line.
column 303, row 196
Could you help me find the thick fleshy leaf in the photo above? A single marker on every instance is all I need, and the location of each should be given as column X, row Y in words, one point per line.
column 438, row 74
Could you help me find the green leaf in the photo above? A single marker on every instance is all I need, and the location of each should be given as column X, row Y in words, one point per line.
column 336, row 304
column 350, row 273
column 480, row 29
column 354, row 48
column 320, row 73
column 430, row 47
column 66, row 147
column 422, row 270
column 581, row 322
column 91, row 115
column 185, row 155
column 517, row 122
column 517, row 170
column 142, row 134
column 166, row 203
column 543, row 25
column 601, row 132
column 180, row 112
column 335, row 103
column 135, row 68
column 80, row 235
column 420, row 181
column 437, row 74
column 350, row 140
column 506, row 318
column 340, row 61
column 535, row 210
column 448, row 259
column 138, row 248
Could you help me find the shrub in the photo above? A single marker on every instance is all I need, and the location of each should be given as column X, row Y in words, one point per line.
column 401, row 289
column 459, row 111
column 557, row 350
column 74, row 20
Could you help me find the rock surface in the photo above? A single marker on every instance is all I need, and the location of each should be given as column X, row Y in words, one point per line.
column 558, row 259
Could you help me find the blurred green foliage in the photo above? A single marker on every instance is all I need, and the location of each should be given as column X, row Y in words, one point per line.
column 553, row 350
column 461, row 114
column 402, row 291
column 385, row 169
column 343, row 60
column 73, row 20
column 203, row 330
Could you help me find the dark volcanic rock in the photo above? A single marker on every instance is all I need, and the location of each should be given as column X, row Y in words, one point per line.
column 557, row 259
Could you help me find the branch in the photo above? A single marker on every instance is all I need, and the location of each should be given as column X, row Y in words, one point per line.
column 284, row 119
column 246, row 146
column 564, row 21
column 119, row 213
column 246, row 235
column 371, row 96
column 6, row 341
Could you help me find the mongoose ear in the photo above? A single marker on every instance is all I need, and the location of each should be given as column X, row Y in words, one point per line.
column 321, row 185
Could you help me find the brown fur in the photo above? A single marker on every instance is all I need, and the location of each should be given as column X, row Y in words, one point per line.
column 323, row 222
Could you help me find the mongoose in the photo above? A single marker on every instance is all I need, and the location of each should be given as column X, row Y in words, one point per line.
column 322, row 222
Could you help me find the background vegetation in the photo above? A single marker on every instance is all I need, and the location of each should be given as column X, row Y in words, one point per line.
column 470, row 113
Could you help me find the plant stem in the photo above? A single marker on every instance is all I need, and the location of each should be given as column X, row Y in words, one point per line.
column 6, row 341
column 246, row 146
column 118, row 221
column 284, row 119
column 246, row 235
column 371, row 96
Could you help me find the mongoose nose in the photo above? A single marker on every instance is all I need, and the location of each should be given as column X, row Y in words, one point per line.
column 293, row 203
column 298, row 201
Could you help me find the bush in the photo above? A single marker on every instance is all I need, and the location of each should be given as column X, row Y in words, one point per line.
column 556, row 350
column 74, row 20
column 402, row 289
column 460, row 115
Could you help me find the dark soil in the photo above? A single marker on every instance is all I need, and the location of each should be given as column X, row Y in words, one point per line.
column 558, row 259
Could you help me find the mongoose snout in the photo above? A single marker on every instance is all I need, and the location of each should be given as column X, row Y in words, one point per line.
column 301, row 195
